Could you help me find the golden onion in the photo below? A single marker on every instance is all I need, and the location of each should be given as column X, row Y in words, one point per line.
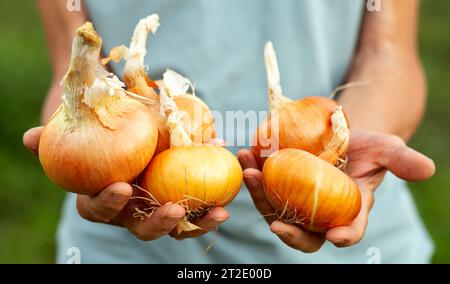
column 315, row 124
column 307, row 191
column 198, row 177
column 100, row 134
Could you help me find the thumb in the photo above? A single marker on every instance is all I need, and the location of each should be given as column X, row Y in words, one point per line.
column 31, row 139
column 254, row 181
column 408, row 164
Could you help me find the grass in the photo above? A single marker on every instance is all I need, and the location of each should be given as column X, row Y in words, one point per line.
column 433, row 137
column 30, row 204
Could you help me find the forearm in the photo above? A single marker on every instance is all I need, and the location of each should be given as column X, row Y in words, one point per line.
column 387, row 56
column 394, row 101
column 59, row 25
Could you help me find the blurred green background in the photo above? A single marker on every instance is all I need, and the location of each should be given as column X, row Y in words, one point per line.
column 30, row 204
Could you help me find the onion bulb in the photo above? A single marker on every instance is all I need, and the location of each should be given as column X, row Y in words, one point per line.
column 198, row 119
column 199, row 177
column 309, row 192
column 315, row 124
column 100, row 134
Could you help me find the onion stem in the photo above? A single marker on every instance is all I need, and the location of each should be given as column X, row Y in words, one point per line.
column 81, row 73
column 140, row 34
column 275, row 93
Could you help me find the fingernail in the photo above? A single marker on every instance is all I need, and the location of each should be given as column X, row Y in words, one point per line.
column 173, row 215
column 220, row 220
column 338, row 241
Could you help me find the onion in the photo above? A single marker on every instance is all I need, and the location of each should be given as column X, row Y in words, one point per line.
column 198, row 121
column 100, row 134
column 307, row 191
column 306, row 140
column 199, row 177
column 314, row 124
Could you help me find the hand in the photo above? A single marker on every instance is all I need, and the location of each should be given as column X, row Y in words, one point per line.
column 113, row 206
column 370, row 155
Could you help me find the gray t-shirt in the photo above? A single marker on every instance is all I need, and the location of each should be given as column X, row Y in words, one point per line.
column 219, row 45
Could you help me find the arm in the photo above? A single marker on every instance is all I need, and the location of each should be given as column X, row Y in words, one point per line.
column 59, row 25
column 382, row 115
column 387, row 50
column 112, row 205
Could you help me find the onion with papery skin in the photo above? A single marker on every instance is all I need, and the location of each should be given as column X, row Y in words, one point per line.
column 307, row 191
column 100, row 134
column 198, row 177
column 314, row 124
column 198, row 120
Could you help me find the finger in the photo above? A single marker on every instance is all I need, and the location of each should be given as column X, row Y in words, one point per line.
column 161, row 222
column 253, row 181
column 213, row 219
column 297, row 238
column 105, row 205
column 31, row 139
column 247, row 160
column 207, row 223
column 407, row 163
column 345, row 236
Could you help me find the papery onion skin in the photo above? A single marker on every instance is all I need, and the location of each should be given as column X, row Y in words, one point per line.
column 208, row 173
column 303, row 124
column 314, row 124
column 200, row 126
column 163, row 142
column 198, row 122
column 307, row 191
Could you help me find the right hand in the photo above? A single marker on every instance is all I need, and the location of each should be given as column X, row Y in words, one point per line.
column 370, row 156
column 112, row 206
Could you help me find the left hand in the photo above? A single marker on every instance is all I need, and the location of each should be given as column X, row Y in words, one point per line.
column 370, row 155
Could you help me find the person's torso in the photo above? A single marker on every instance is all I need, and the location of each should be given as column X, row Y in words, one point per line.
column 219, row 45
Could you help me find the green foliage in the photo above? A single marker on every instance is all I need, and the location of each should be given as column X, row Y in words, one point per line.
column 30, row 204
column 433, row 137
